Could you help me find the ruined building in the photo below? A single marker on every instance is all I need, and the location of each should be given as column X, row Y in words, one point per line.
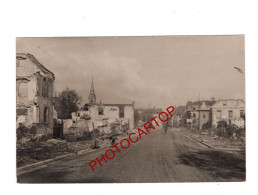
column 101, row 116
column 34, row 92
column 206, row 114
column 231, row 111
column 198, row 113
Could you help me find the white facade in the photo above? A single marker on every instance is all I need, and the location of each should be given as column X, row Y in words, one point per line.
column 228, row 110
column 100, row 116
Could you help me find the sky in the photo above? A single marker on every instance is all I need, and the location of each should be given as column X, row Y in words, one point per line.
column 152, row 71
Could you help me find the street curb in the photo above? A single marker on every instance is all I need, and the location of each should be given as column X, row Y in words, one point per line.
column 27, row 168
column 37, row 165
column 195, row 139
column 40, row 164
column 89, row 150
column 225, row 149
column 230, row 149
column 84, row 151
column 31, row 167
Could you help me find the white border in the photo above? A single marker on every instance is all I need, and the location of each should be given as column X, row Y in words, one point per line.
column 125, row 18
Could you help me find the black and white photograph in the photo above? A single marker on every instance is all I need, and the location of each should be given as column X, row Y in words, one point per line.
column 130, row 109
column 129, row 97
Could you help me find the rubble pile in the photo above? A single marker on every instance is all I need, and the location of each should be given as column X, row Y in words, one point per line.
column 212, row 138
column 30, row 150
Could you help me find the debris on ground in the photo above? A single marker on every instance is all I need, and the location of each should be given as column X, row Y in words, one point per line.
column 210, row 138
column 31, row 151
column 36, row 148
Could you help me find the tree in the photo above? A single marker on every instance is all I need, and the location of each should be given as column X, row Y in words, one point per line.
column 67, row 102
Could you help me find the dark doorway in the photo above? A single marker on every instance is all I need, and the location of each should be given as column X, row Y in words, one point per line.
column 121, row 112
column 57, row 129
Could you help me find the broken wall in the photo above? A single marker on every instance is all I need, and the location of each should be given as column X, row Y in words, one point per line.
column 34, row 90
column 129, row 114
column 220, row 111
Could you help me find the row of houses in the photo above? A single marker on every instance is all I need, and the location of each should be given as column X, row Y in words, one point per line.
column 35, row 107
column 207, row 113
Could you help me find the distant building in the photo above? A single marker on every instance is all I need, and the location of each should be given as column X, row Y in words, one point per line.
column 34, row 92
column 229, row 110
column 199, row 113
column 205, row 115
column 142, row 115
column 179, row 116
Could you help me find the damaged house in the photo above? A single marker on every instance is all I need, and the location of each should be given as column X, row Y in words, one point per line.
column 103, row 117
column 34, row 91
column 206, row 114
column 199, row 113
column 232, row 111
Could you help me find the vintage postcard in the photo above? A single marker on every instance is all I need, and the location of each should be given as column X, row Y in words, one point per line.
column 130, row 109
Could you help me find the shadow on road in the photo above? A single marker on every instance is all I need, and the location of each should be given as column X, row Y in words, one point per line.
column 217, row 163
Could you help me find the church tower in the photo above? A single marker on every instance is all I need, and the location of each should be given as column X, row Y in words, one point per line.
column 92, row 95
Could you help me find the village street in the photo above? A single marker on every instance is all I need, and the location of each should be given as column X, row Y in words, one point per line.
column 155, row 158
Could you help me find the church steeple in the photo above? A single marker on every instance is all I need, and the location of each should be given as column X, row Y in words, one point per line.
column 92, row 96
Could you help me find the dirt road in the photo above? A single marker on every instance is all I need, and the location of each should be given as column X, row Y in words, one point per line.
column 155, row 158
